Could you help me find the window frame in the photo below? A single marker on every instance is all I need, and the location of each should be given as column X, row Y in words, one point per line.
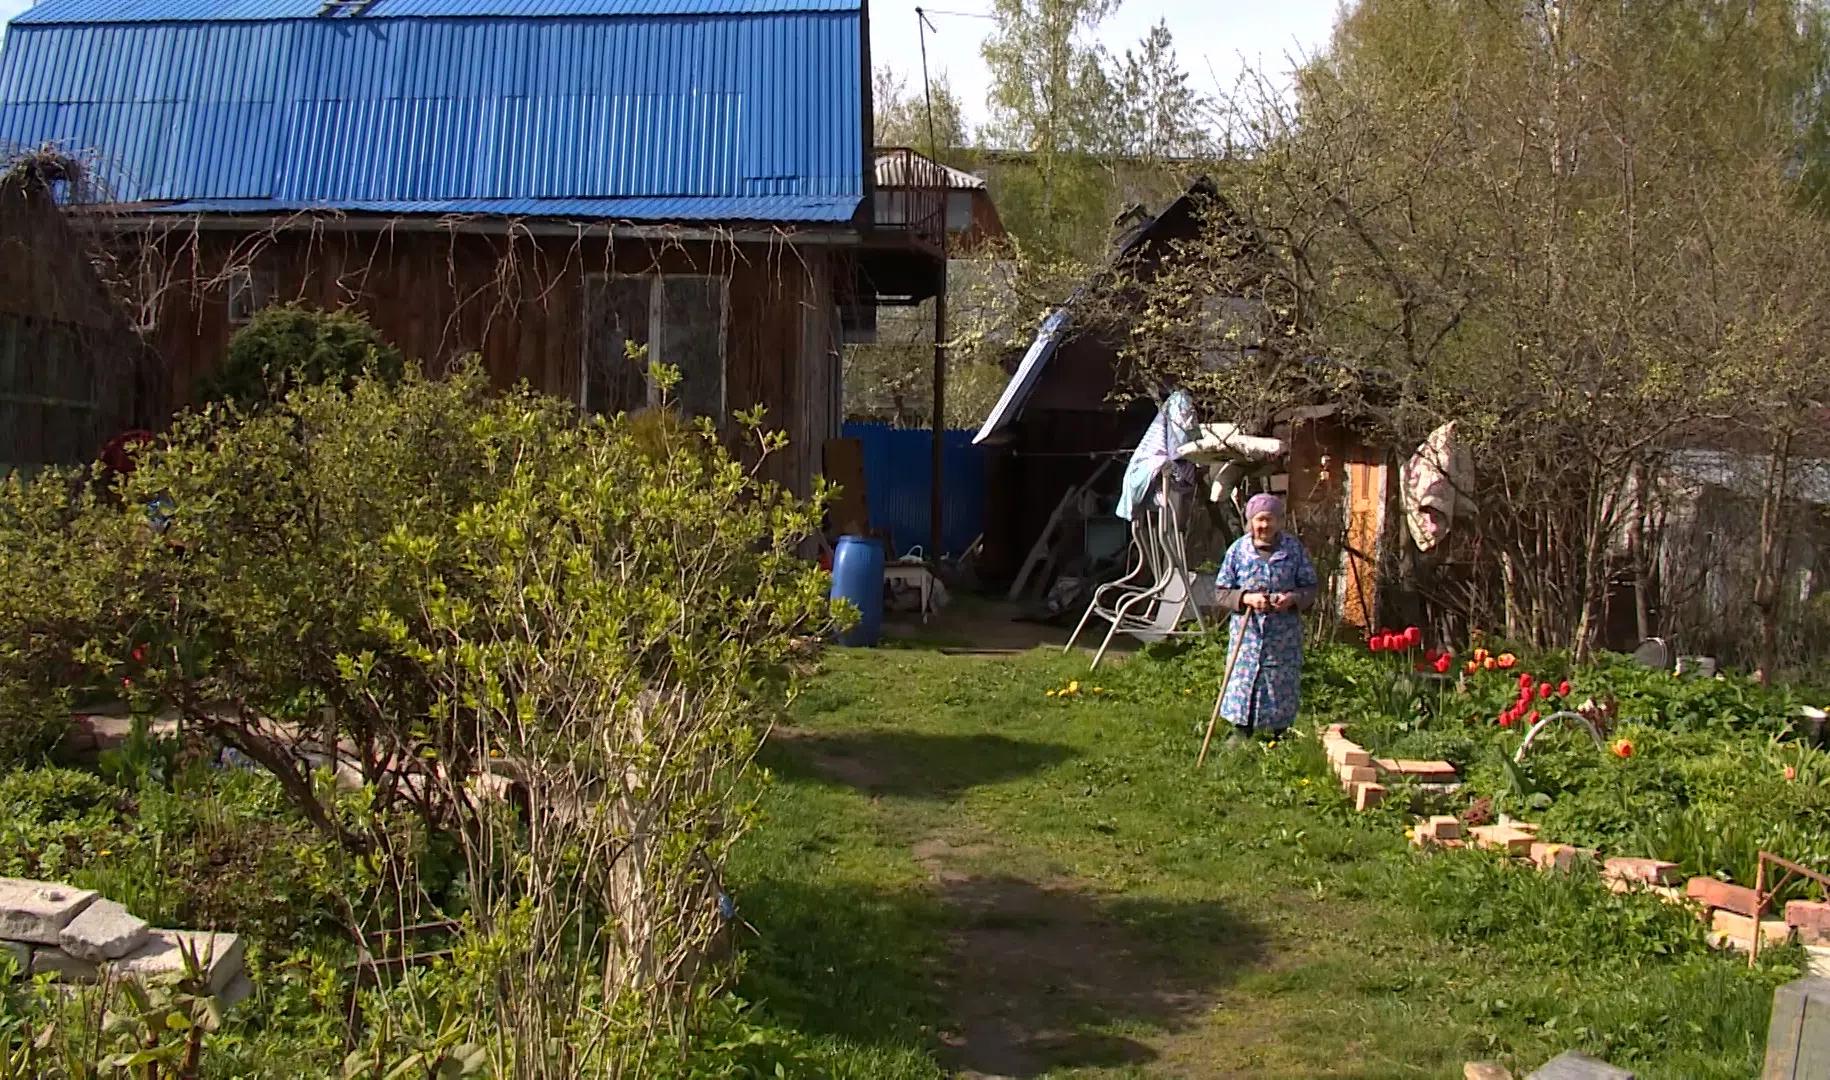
column 657, row 334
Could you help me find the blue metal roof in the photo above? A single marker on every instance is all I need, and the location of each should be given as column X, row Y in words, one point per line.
column 708, row 117
column 50, row 12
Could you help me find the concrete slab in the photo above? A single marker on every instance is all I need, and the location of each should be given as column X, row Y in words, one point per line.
column 38, row 911
column 104, row 931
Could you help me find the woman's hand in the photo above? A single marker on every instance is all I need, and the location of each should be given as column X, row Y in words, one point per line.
column 1256, row 601
column 1283, row 601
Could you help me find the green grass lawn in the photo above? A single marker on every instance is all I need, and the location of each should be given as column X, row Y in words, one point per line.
column 957, row 872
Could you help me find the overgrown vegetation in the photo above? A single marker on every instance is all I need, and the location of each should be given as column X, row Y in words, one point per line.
column 494, row 662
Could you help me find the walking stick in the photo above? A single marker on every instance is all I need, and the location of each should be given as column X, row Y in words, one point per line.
column 1232, row 659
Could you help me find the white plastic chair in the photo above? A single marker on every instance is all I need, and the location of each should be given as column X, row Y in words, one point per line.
column 1156, row 595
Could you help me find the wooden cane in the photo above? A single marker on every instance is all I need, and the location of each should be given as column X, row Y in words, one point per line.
column 1220, row 699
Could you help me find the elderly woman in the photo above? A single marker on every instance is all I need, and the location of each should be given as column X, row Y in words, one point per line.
column 1265, row 581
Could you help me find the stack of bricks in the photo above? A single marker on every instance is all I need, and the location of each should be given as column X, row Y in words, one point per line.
column 1443, row 830
column 1734, row 915
column 75, row 936
column 1810, row 920
column 1354, row 766
column 1643, row 875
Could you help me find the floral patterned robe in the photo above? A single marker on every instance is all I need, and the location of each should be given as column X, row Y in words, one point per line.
column 1265, row 688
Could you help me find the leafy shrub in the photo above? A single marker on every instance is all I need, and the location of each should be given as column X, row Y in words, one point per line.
column 464, row 590
column 289, row 346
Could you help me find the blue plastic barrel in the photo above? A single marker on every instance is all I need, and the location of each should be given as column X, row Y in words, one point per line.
column 857, row 575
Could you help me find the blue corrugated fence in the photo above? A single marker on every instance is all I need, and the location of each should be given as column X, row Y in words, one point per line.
column 897, row 465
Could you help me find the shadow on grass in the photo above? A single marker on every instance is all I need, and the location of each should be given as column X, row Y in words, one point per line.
column 995, row 975
column 906, row 763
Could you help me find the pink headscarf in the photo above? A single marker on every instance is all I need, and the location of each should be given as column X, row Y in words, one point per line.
column 1264, row 503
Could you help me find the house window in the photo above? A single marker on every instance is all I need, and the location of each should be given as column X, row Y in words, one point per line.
column 248, row 293
column 681, row 320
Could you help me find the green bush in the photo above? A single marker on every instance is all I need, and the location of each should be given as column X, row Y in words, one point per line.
column 289, row 346
column 455, row 585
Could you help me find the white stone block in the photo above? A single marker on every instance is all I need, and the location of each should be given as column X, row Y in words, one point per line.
column 104, row 931
column 38, row 911
column 219, row 955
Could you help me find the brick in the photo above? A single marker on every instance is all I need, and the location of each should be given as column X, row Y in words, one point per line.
column 1817, row 960
column 1720, row 894
column 220, row 955
column 37, row 911
column 104, row 931
column 1445, row 827
column 1358, row 774
column 1740, row 928
column 1433, row 771
column 1641, row 871
column 1346, row 753
column 1337, row 730
column 1559, row 856
column 1367, row 796
column 1502, row 837
column 1811, row 919
column 1521, row 826
column 1485, row 1070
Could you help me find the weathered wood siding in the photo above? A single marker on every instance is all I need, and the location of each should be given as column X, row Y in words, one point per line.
column 518, row 303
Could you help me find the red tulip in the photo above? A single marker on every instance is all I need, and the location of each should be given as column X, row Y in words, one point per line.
column 139, row 654
column 1420, row 667
column 127, row 683
column 1506, row 720
column 1430, row 655
column 1531, row 718
column 1563, row 688
column 1413, row 636
column 1545, row 691
column 1524, row 679
column 1442, row 664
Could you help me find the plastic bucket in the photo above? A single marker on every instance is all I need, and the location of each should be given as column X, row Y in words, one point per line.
column 857, row 576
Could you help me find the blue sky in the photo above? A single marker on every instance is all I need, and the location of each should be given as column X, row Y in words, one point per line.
column 1213, row 37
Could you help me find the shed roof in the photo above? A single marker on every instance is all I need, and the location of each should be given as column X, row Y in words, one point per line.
column 640, row 110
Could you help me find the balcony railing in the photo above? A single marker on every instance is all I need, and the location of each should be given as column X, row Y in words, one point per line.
column 911, row 194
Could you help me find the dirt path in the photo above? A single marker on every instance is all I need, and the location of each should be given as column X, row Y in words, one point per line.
column 1044, row 974
column 1042, row 970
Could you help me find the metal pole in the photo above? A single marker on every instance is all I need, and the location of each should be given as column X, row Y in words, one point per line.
column 938, row 417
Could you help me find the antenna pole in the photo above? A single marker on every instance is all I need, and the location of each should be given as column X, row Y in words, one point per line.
column 938, row 418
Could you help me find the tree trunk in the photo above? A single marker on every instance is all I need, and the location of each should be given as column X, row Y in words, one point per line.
column 1771, row 566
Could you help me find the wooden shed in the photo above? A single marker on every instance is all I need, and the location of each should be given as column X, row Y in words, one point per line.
column 540, row 186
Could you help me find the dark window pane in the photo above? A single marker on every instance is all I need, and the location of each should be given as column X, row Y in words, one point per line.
column 616, row 312
column 692, row 339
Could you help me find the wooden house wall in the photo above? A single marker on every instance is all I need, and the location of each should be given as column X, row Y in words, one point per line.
column 518, row 304
column 70, row 363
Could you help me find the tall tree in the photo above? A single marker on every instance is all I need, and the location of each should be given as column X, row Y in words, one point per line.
column 1556, row 222
column 1050, row 95
column 902, row 115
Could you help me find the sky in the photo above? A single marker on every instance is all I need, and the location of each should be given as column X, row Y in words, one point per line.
column 1213, row 37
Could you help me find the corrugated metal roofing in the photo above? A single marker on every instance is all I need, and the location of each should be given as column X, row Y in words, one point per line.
column 732, row 116
column 113, row 11
column 909, row 169
column 761, row 209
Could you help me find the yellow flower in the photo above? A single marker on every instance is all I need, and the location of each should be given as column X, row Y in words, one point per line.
column 1051, row 693
column 1410, row 834
column 1097, row 690
column 1185, row 693
column 105, row 851
column 1073, row 686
